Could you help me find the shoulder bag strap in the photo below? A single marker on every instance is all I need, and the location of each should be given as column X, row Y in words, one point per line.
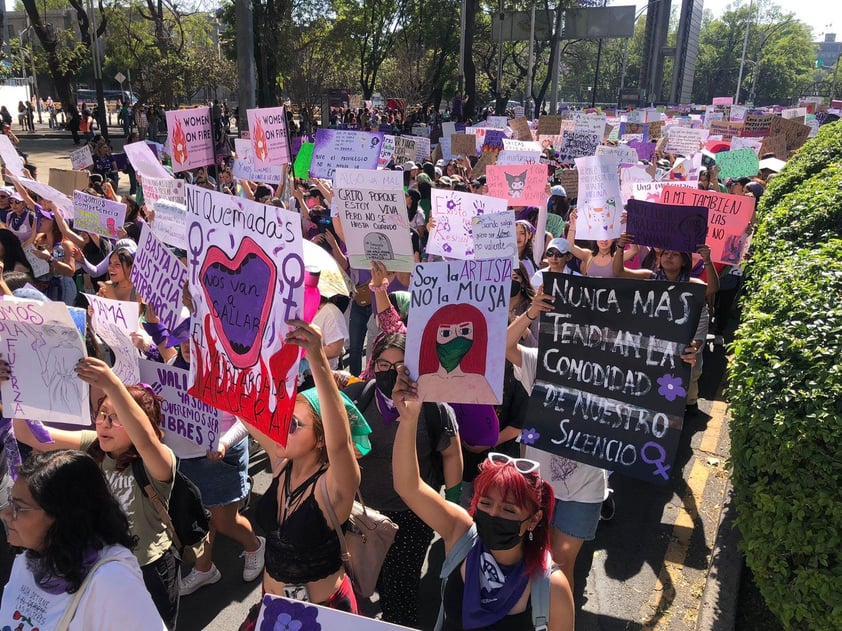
column 346, row 557
column 157, row 503
column 452, row 561
column 64, row 623
column 541, row 600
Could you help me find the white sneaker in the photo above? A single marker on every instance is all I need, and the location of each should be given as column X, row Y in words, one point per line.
column 253, row 565
column 196, row 580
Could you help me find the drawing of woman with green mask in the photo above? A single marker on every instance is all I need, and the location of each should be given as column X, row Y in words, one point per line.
column 453, row 354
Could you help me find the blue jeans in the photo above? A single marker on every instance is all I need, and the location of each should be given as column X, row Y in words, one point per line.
column 357, row 326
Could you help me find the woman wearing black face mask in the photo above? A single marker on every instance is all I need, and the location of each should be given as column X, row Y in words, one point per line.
column 522, row 293
column 440, row 457
column 509, row 548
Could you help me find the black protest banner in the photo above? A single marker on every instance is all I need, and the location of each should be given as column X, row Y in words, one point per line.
column 611, row 387
column 668, row 226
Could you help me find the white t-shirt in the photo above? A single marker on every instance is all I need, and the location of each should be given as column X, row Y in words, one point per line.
column 538, row 277
column 333, row 326
column 571, row 480
column 104, row 604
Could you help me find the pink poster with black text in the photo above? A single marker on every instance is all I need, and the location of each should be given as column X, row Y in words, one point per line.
column 190, row 138
column 268, row 135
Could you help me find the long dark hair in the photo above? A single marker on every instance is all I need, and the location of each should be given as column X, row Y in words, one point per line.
column 13, row 251
column 393, row 340
column 71, row 489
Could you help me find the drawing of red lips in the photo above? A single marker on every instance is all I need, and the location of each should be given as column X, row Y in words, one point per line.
column 240, row 293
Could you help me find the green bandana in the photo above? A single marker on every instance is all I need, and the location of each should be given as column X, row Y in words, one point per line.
column 452, row 352
column 359, row 428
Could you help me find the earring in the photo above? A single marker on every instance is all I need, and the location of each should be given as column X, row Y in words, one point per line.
column 530, row 535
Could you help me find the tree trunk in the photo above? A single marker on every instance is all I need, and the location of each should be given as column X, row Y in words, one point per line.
column 471, row 8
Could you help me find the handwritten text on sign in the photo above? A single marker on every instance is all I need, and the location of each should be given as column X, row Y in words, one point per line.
column 97, row 214
column 337, row 148
column 159, row 277
column 611, row 386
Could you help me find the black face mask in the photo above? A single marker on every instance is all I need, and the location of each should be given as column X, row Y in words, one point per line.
column 386, row 380
column 516, row 287
column 497, row 533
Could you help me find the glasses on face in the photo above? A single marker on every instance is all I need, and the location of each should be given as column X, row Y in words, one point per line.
column 110, row 419
column 4, row 197
column 17, row 201
column 521, row 464
column 295, row 425
column 381, row 365
column 555, row 254
column 16, row 508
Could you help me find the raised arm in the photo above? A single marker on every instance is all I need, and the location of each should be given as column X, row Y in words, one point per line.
column 541, row 303
column 620, row 269
column 580, row 253
column 76, row 238
column 710, row 271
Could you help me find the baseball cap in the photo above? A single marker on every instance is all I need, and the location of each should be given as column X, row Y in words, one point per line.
column 559, row 244
column 409, row 166
column 558, row 190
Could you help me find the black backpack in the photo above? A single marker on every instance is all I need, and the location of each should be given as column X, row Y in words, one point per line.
column 187, row 520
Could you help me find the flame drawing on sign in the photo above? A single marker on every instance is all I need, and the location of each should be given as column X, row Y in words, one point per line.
column 259, row 141
column 179, row 144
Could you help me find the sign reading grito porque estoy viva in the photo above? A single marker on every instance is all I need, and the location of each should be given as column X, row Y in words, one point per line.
column 611, row 386
column 190, row 138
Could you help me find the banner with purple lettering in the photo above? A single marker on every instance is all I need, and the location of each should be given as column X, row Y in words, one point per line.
column 191, row 427
column 453, row 211
column 190, row 138
column 268, row 130
column 114, row 321
column 158, row 277
column 97, row 214
column 460, row 312
column 246, row 275
column 339, row 148
column 611, row 388
column 42, row 345
column 668, row 226
column 284, row 613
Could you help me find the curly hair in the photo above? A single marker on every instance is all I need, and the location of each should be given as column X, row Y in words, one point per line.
column 70, row 487
column 150, row 403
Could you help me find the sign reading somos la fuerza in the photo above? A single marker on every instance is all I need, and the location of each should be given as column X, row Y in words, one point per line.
column 611, row 387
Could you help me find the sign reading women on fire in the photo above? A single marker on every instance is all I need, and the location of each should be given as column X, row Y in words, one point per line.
column 268, row 130
column 611, row 388
column 190, row 138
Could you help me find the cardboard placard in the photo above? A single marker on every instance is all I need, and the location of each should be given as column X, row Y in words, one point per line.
column 67, row 181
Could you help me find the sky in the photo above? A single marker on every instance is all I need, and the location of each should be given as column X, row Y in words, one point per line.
column 826, row 20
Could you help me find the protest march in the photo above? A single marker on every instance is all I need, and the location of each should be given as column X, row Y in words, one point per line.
column 469, row 324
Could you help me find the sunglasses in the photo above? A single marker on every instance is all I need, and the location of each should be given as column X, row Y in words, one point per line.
column 555, row 254
column 521, row 464
column 295, row 425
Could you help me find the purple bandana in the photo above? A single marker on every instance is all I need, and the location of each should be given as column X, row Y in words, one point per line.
column 491, row 589
column 386, row 406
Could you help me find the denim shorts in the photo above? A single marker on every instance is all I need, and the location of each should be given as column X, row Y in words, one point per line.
column 223, row 482
column 577, row 519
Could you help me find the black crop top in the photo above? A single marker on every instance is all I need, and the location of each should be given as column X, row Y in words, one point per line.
column 303, row 549
column 453, row 594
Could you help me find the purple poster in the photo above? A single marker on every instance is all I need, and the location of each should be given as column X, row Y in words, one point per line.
column 680, row 228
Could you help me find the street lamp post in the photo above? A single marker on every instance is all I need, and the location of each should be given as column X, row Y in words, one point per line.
column 743, row 57
column 28, row 31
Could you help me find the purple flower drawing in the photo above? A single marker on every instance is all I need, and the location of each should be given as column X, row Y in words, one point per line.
column 671, row 388
column 529, row 435
column 280, row 614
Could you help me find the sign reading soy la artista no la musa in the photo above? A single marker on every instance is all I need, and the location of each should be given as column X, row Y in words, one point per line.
column 611, row 387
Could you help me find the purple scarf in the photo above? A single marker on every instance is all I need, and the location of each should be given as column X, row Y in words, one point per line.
column 491, row 589
column 386, row 406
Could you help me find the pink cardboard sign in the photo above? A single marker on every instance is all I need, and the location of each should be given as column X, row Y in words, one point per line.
column 268, row 131
column 519, row 185
column 190, row 138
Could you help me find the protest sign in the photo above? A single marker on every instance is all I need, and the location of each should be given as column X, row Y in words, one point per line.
column 685, row 140
column 169, row 223
column 712, row 117
column 158, row 277
column 67, row 181
column 463, row 145
column 114, row 321
column 387, row 150
column 497, row 122
column 729, row 217
column 738, row 113
column 739, row 163
column 494, row 236
column 191, row 427
column 611, row 388
column 443, row 150
column 520, row 128
column 622, row 152
column 460, row 312
column 448, row 129
column 511, row 144
column 61, row 201
column 247, row 167
column 549, row 125
column 569, row 179
column 517, row 156
column 723, row 100
column 422, row 149
column 757, row 125
column 339, row 148
column 39, row 266
column 738, row 142
column 269, row 139
column 645, row 149
column 668, row 226
column 726, row 129
column 301, row 166
column 635, row 174
column 600, row 204
column 453, row 211
column 487, row 159
column 81, row 158
column 798, row 114
column 189, row 138
column 10, row 156
column 519, row 185
column 278, row 613
column 776, row 145
column 796, row 133
column 40, row 342
column 246, row 274
column 583, row 139
column 492, row 140
column 651, row 191
column 372, row 207
column 654, row 130
column 97, row 214
column 155, row 188
column 144, row 161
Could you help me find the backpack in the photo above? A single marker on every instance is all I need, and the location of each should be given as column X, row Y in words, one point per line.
column 432, row 419
column 187, row 520
column 539, row 598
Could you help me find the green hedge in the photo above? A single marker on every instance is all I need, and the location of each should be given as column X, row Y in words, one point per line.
column 786, row 392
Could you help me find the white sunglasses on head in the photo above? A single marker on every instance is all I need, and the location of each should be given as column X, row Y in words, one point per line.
column 521, row 464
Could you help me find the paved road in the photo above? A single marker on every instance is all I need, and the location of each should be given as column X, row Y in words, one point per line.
column 646, row 569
